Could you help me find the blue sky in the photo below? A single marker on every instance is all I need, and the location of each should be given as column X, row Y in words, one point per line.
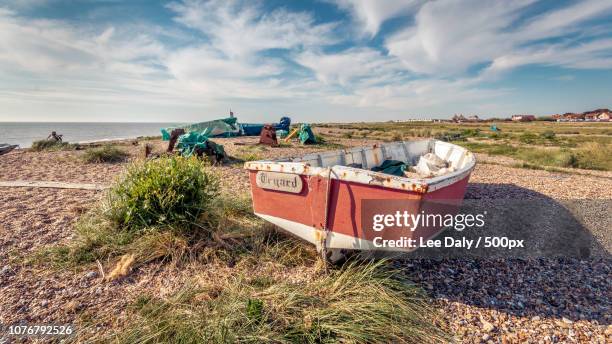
column 327, row 60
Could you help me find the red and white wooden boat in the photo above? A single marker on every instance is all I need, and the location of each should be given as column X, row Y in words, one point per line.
column 318, row 197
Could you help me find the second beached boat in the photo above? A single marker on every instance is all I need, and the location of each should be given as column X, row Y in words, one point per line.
column 5, row 148
column 323, row 197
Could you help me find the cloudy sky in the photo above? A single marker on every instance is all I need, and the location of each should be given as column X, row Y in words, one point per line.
column 327, row 60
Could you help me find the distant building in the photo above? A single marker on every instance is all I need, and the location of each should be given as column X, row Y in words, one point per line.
column 473, row 118
column 595, row 115
column 573, row 116
column 523, row 118
column 459, row 118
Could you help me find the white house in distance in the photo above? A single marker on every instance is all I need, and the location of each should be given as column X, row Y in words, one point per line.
column 523, row 118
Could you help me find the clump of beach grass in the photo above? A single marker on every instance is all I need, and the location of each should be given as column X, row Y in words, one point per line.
column 250, row 153
column 170, row 191
column 105, row 154
column 152, row 211
column 50, row 145
column 357, row 303
column 594, row 156
column 548, row 135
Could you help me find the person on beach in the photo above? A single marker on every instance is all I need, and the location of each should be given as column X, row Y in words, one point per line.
column 55, row 136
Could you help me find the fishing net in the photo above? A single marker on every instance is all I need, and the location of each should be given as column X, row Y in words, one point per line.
column 226, row 127
column 306, row 135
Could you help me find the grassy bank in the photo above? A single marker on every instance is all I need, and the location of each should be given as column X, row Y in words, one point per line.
column 589, row 156
column 585, row 145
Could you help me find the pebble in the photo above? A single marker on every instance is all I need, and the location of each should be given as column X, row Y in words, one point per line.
column 91, row 274
column 6, row 270
column 487, row 326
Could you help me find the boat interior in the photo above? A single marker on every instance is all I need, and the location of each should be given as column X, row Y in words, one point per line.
column 406, row 151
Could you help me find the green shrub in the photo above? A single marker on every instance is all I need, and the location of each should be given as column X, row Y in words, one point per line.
column 470, row 132
column 105, row 154
column 594, row 156
column 397, row 136
column 347, row 135
column 548, row 135
column 248, row 156
column 548, row 157
column 162, row 192
column 497, row 136
column 528, row 137
column 46, row 145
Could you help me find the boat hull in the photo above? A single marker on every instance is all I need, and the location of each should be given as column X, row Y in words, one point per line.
column 304, row 214
column 4, row 149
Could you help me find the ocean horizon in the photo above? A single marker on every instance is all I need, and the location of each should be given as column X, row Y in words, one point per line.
column 24, row 133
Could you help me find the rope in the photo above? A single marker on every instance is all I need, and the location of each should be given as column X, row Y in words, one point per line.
column 325, row 229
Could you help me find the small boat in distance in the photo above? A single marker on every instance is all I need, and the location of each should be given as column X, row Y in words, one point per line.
column 323, row 197
column 5, row 148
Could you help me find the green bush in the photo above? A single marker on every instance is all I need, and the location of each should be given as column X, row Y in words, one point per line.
column 347, row 135
column 528, row 137
column 548, row 135
column 106, row 153
column 470, row 132
column 162, row 192
column 594, row 156
column 49, row 145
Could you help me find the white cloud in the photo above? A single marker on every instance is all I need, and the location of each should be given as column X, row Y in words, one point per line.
column 591, row 55
column 52, row 47
column 239, row 28
column 418, row 95
column 564, row 20
column 203, row 62
column 372, row 13
column 450, row 36
column 350, row 66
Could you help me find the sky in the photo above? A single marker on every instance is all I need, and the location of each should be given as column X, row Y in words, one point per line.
column 316, row 61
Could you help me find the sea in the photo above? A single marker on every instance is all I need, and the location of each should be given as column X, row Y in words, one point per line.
column 24, row 133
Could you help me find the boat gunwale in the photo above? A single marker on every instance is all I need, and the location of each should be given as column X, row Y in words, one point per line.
column 368, row 177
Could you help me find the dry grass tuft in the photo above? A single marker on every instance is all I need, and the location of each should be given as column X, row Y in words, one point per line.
column 122, row 268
